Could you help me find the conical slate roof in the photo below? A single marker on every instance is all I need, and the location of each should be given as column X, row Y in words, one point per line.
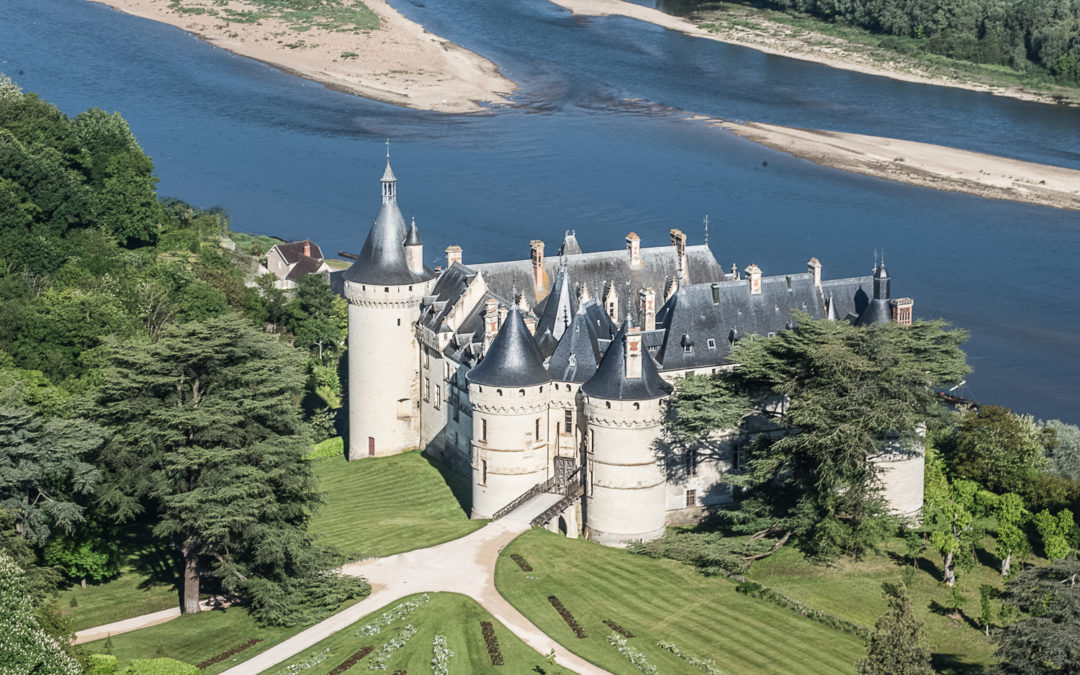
column 512, row 360
column 578, row 353
column 560, row 307
column 382, row 260
column 610, row 381
column 413, row 236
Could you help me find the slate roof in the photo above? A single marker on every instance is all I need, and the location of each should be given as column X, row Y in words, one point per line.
column 293, row 251
column 304, row 266
column 611, row 383
column 559, row 307
column 578, row 353
column 412, row 237
column 659, row 264
column 570, row 244
column 512, row 359
column 382, row 260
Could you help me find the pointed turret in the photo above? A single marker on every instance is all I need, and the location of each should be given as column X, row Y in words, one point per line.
column 382, row 260
column 626, row 373
column 561, row 305
column 414, row 249
column 881, row 283
column 879, row 309
column 578, row 353
column 513, row 359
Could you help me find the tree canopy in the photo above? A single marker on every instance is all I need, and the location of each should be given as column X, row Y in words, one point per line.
column 1048, row 639
column 898, row 643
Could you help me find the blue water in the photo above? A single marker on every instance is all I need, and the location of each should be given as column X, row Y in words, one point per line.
column 598, row 140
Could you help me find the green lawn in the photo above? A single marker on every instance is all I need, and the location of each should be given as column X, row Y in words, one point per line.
column 852, row 590
column 131, row 594
column 386, row 505
column 455, row 617
column 195, row 638
column 662, row 600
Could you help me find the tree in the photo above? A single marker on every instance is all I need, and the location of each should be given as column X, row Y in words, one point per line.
column 25, row 647
column 851, row 393
column 950, row 517
column 44, row 469
column 1063, row 459
column 705, row 404
column 87, row 553
column 1056, row 532
column 1048, row 640
column 897, row 645
column 998, row 449
column 207, row 435
column 986, row 610
column 1011, row 540
column 317, row 317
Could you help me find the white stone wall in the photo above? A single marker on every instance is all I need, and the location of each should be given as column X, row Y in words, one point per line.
column 383, row 368
column 901, row 471
column 508, row 456
column 626, row 486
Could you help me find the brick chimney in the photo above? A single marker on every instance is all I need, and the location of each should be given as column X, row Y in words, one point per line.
column 678, row 240
column 814, row 267
column 453, row 255
column 537, row 254
column 753, row 275
column 491, row 321
column 647, row 309
column 901, row 310
column 611, row 302
column 307, row 248
column 669, row 288
column 633, row 250
column 633, row 352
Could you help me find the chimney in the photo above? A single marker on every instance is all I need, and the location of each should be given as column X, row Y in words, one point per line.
column 814, row 267
column 633, row 249
column 753, row 274
column 453, row 255
column 491, row 321
column 734, row 271
column 901, row 311
column 647, row 309
column 678, row 240
column 537, row 255
column 611, row 302
column 585, row 295
column 670, row 288
column 503, row 311
column 307, row 248
column 633, row 352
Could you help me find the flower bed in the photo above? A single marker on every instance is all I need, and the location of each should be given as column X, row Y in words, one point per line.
column 224, row 655
column 390, row 616
column 708, row 665
column 567, row 617
column 521, row 562
column 378, row 662
column 618, row 629
column 351, row 661
column 632, row 655
column 309, row 663
column 440, row 660
column 492, row 642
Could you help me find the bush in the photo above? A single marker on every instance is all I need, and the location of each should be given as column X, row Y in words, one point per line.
column 160, row 667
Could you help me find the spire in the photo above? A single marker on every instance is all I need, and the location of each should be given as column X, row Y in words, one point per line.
column 389, row 181
column 578, row 352
column 513, row 359
column 412, row 237
column 561, row 304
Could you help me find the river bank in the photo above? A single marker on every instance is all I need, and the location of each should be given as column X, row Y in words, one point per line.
column 750, row 28
column 922, row 164
column 399, row 62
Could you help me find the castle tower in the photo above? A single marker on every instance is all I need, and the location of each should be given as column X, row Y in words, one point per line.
column 510, row 418
column 384, row 295
column 625, row 482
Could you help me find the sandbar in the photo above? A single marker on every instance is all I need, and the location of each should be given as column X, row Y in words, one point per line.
column 399, row 63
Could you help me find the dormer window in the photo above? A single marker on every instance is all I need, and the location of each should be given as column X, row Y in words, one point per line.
column 711, row 343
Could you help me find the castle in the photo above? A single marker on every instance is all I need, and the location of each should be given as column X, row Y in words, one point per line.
column 551, row 375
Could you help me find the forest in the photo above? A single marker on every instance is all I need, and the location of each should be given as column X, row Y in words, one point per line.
column 151, row 387
column 1040, row 36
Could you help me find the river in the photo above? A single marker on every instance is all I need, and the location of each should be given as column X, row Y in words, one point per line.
column 599, row 140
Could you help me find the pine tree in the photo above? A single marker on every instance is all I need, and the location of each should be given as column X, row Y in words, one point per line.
column 897, row 646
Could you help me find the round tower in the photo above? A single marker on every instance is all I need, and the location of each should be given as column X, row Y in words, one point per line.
column 509, row 390
column 625, row 403
column 384, row 294
column 901, row 466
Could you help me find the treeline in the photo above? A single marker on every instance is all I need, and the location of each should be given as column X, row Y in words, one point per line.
column 1028, row 35
column 148, row 382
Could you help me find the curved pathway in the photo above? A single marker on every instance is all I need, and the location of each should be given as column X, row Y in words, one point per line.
column 465, row 565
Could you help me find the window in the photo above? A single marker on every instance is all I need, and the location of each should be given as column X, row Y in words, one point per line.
column 691, row 498
column 568, row 421
column 691, row 462
column 483, row 430
column 427, row 388
column 399, row 322
column 438, row 397
column 386, row 289
column 688, row 349
column 711, row 343
column 537, row 432
column 483, row 471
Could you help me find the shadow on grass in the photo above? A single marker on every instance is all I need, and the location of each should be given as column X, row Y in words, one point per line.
column 459, row 483
column 954, row 664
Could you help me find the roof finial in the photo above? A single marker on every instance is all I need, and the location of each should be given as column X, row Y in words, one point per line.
column 883, row 256
column 387, row 149
column 706, row 229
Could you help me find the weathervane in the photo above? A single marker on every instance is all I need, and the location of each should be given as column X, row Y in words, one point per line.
column 706, row 229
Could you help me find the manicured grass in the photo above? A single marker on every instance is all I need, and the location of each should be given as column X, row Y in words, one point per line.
column 195, row 638
column 386, row 505
column 131, row 594
column 456, row 617
column 662, row 600
column 852, row 590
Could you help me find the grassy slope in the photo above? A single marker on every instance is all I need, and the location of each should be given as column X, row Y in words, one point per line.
column 852, row 590
column 454, row 616
column 662, row 600
column 131, row 594
column 381, row 506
